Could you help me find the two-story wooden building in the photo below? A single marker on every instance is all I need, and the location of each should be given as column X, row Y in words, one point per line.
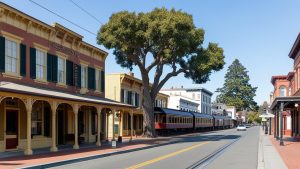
column 127, row 89
column 52, row 86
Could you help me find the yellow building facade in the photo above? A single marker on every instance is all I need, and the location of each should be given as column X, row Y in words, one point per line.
column 127, row 89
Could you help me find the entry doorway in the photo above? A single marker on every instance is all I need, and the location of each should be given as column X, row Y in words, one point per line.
column 11, row 129
column 61, row 127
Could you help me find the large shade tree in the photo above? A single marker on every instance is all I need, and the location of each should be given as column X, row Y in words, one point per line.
column 154, row 41
column 237, row 91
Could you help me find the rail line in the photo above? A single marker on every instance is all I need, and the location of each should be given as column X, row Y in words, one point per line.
column 214, row 155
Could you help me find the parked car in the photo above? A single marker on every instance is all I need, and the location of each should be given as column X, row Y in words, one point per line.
column 241, row 128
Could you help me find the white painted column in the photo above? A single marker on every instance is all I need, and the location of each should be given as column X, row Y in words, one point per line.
column 75, row 109
column 98, row 143
column 113, row 124
column 28, row 150
column 53, row 109
column 131, row 125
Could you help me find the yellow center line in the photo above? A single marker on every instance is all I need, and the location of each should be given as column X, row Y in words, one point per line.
column 166, row 156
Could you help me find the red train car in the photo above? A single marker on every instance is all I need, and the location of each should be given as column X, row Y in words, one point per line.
column 168, row 119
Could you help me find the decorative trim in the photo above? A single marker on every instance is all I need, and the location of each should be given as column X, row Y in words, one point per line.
column 12, row 36
column 12, row 75
column 61, row 85
column 42, row 81
column 41, row 47
column 62, row 55
column 84, row 63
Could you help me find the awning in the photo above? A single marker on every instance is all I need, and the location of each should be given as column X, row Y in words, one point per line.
column 289, row 102
column 172, row 112
column 22, row 89
column 268, row 115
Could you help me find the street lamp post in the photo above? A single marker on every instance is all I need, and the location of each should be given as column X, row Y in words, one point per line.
column 281, row 124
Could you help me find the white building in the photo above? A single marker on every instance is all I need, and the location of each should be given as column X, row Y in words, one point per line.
column 182, row 103
column 222, row 109
column 199, row 95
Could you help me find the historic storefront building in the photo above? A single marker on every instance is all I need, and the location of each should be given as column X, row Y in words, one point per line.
column 282, row 89
column 52, row 86
column 288, row 97
column 127, row 89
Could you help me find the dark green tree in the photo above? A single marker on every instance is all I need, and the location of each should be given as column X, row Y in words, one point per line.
column 237, row 91
column 154, row 41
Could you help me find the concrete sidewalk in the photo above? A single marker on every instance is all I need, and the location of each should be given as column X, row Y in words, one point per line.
column 268, row 156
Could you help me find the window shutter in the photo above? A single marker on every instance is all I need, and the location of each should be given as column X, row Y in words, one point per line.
column 70, row 73
column 102, row 81
column 78, row 83
column 2, row 54
column 22, row 60
column 54, row 68
column 33, row 63
column 138, row 100
column 47, row 122
column 49, row 67
column 91, row 78
column 122, row 95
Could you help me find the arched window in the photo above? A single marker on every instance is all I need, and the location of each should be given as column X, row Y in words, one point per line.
column 282, row 90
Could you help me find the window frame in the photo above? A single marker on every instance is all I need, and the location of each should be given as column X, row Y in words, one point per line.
column 64, row 75
column 44, row 67
column 11, row 40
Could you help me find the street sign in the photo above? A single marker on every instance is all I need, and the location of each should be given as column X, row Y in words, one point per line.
column 113, row 144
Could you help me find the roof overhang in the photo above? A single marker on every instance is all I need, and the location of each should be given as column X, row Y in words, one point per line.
column 32, row 91
column 289, row 102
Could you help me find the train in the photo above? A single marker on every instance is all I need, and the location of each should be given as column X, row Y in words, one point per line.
column 169, row 120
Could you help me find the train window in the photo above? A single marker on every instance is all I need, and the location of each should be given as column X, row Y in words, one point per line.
column 164, row 119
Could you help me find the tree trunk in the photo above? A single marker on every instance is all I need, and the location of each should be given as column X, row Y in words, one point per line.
column 148, row 109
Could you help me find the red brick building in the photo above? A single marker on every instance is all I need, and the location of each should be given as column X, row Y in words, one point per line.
column 282, row 88
column 51, row 86
column 289, row 104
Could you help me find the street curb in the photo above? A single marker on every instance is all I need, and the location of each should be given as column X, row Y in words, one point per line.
column 260, row 158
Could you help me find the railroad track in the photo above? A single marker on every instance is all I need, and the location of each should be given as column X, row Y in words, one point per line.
column 214, row 155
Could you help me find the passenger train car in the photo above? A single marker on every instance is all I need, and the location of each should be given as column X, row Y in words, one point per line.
column 167, row 120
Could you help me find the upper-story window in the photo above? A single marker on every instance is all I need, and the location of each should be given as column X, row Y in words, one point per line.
column 61, row 70
column 282, row 90
column 11, row 56
column 41, row 66
column 98, row 80
column 83, row 76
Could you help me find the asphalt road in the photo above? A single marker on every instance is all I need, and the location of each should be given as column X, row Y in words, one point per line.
column 220, row 149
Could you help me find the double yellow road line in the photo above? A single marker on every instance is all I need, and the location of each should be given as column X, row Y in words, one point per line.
column 167, row 156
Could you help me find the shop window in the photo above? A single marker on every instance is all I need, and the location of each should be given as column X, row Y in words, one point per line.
column 37, row 120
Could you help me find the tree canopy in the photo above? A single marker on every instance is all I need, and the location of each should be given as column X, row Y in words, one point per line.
column 156, row 40
column 237, row 91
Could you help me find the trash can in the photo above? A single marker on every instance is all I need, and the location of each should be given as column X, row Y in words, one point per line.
column 119, row 139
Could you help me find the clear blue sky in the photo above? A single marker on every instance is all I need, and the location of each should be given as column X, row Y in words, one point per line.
column 259, row 33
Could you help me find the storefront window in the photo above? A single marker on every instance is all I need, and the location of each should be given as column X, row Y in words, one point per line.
column 37, row 120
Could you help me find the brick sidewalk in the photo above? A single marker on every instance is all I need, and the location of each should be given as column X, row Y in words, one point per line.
column 38, row 159
column 290, row 152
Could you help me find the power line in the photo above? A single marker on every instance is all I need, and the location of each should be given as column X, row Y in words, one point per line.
column 63, row 18
column 96, row 19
